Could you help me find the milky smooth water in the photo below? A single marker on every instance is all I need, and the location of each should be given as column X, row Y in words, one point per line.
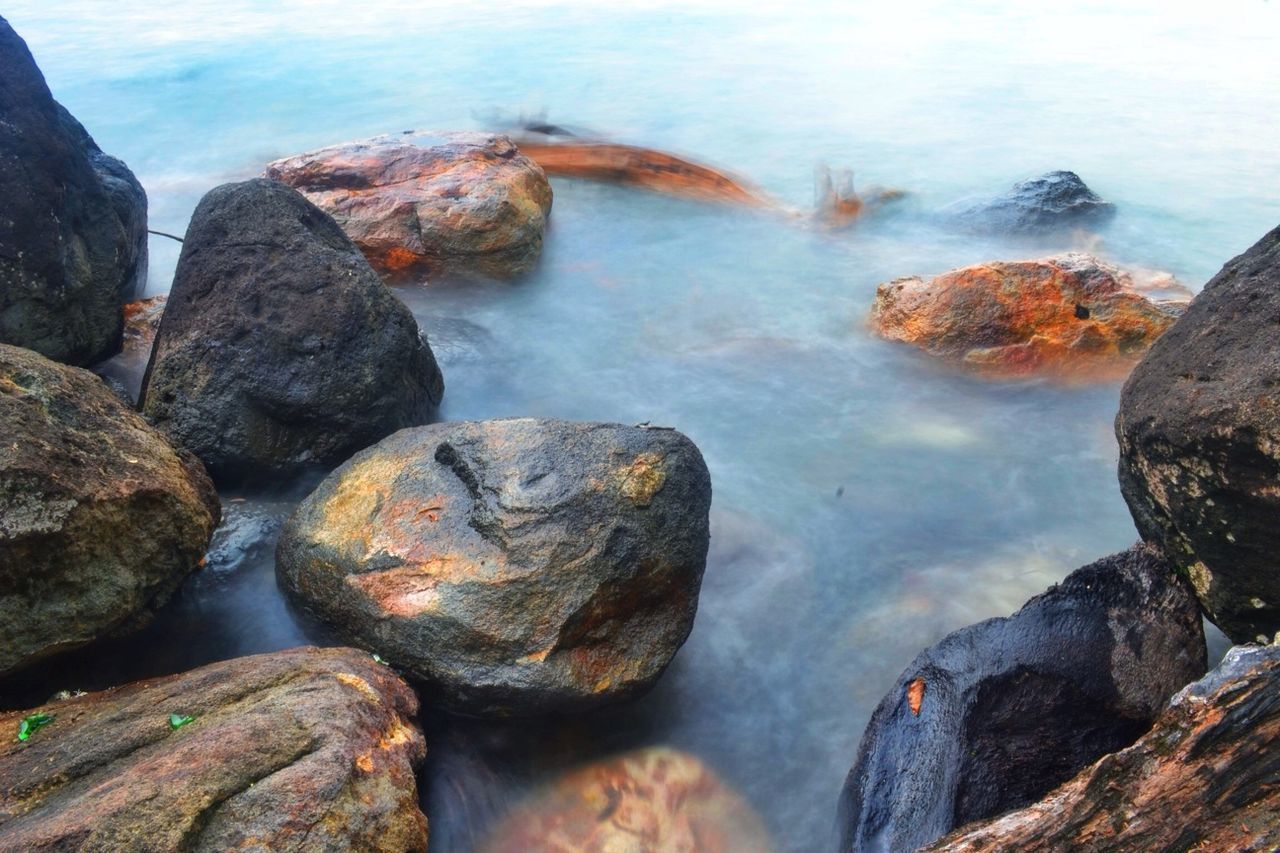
column 866, row 501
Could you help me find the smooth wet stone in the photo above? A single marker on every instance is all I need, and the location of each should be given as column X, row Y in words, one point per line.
column 301, row 750
column 516, row 566
column 420, row 203
column 1055, row 201
column 101, row 517
column 997, row 714
column 279, row 348
column 73, row 223
column 1199, row 433
column 1072, row 316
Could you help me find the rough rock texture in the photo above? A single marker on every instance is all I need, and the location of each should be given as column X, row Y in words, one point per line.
column 519, row 566
column 141, row 322
column 100, row 517
column 418, row 203
column 302, row 750
column 1071, row 315
column 279, row 347
column 649, row 800
column 997, row 714
column 1199, row 431
column 1052, row 202
column 73, row 223
column 1204, row 778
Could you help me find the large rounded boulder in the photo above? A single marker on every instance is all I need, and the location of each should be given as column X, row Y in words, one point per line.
column 422, row 203
column 1199, row 432
column 101, row 518
column 516, row 566
column 279, row 348
column 1053, row 202
column 73, row 223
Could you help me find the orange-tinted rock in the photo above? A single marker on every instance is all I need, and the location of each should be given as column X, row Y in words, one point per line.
column 421, row 203
column 1071, row 315
column 654, row 799
column 142, row 321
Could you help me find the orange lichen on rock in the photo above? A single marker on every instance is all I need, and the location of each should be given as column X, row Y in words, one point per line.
column 915, row 695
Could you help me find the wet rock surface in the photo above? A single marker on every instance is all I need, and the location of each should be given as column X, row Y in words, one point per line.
column 1199, row 433
column 517, row 566
column 279, row 348
column 1055, row 201
column 142, row 321
column 997, row 714
column 306, row 749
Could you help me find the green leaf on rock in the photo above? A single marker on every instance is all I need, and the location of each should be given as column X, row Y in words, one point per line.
column 32, row 724
column 177, row 721
column 378, row 659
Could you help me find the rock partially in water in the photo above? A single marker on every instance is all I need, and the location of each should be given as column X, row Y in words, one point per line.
column 73, row 223
column 142, row 322
column 1199, row 432
column 101, row 517
column 518, row 566
column 1203, row 778
column 1055, row 201
column 997, row 714
column 306, row 749
column 279, row 348
column 651, row 799
column 1071, row 316
column 421, row 203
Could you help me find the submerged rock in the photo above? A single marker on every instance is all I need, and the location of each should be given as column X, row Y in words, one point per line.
column 306, row 749
column 1071, row 315
column 1052, row 202
column 997, row 714
column 279, row 347
column 517, row 566
column 1199, row 432
column 73, row 223
column 419, row 203
column 101, row 517
column 1203, row 778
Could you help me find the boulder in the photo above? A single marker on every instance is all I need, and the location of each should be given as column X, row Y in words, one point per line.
column 650, row 799
column 998, row 714
column 516, row 566
column 73, row 223
column 306, row 749
column 421, row 203
column 1203, row 778
column 101, row 517
column 279, row 348
column 1199, row 432
column 142, row 322
column 1055, row 201
column 1072, row 316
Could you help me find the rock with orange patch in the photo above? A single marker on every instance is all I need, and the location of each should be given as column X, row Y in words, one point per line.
column 141, row 321
column 419, row 203
column 516, row 566
column 648, row 800
column 1071, row 315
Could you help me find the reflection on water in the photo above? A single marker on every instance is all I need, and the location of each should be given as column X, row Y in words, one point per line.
column 866, row 501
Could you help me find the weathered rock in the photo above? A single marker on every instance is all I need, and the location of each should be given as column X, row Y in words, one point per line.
column 1072, row 316
column 997, row 714
column 73, row 222
column 142, row 321
column 419, row 203
column 1199, row 432
column 1204, row 778
column 306, row 749
column 649, row 800
column 1052, row 202
column 518, row 566
column 279, row 347
column 101, row 517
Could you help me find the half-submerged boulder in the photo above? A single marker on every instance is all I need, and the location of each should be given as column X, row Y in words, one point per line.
column 998, row 714
column 1071, row 316
column 73, row 223
column 306, row 749
column 1203, row 778
column 101, row 518
column 420, row 203
column 1199, row 431
column 1055, row 201
column 517, row 566
column 279, row 348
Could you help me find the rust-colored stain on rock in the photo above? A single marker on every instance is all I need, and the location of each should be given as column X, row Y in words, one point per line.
column 915, row 695
column 642, row 479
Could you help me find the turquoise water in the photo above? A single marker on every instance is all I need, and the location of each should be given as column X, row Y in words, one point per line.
column 866, row 501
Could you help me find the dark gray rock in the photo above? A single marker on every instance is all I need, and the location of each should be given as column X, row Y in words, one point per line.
column 1052, row 202
column 73, row 223
column 997, row 714
column 515, row 566
column 1199, row 432
column 279, row 347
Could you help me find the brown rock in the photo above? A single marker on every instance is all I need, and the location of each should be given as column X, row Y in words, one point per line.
column 141, row 322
